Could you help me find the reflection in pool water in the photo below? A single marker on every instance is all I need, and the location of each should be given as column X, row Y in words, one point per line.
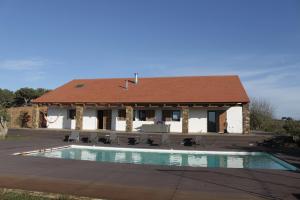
column 170, row 158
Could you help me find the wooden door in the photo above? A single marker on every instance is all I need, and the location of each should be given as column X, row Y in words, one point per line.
column 107, row 119
column 222, row 121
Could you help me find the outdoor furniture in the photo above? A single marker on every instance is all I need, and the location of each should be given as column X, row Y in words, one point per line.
column 104, row 140
column 165, row 138
column 84, row 139
column 188, row 142
column 93, row 138
column 143, row 138
column 74, row 137
column 109, row 139
column 155, row 128
column 154, row 140
column 113, row 138
column 198, row 140
column 132, row 141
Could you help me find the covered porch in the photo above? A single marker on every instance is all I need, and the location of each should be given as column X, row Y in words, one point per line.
column 180, row 118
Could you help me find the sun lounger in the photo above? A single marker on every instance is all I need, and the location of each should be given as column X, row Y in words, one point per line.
column 109, row 139
column 113, row 138
column 74, row 137
column 188, row 142
column 165, row 138
column 132, row 141
column 93, row 138
column 143, row 138
column 198, row 140
column 154, row 140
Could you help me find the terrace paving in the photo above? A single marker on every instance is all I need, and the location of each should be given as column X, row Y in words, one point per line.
column 129, row 181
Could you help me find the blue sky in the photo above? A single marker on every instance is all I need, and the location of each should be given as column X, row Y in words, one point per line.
column 47, row 43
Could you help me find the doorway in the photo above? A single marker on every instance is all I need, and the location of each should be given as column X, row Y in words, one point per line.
column 211, row 121
column 104, row 119
column 216, row 121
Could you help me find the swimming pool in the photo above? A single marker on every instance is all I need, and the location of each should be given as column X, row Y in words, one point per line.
column 210, row 159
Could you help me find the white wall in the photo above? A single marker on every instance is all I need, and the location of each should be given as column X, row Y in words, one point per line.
column 197, row 120
column 235, row 119
column 176, row 126
column 57, row 118
column 90, row 121
column 116, row 124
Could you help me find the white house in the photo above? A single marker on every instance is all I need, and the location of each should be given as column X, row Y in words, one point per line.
column 196, row 104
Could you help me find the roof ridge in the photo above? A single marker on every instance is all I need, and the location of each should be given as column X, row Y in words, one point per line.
column 157, row 77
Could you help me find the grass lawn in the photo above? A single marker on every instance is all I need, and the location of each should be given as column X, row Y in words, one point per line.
column 9, row 194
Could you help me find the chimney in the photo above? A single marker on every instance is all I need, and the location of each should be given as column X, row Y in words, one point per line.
column 136, row 79
column 126, row 84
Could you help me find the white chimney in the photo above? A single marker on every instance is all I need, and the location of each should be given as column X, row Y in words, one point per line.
column 136, row 79
column 126, row 84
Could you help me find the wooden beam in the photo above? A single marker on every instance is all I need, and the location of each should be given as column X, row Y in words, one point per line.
column 198, row 106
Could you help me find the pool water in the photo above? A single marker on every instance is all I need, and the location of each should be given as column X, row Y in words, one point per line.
column 210, row 159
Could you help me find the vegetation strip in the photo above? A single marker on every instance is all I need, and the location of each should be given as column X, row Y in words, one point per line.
column 17, row 194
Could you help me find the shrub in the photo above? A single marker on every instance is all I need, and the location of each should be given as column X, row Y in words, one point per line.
column 292, row 127
column 261, row 114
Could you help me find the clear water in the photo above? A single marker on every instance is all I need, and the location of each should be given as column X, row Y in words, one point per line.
column 256, row 160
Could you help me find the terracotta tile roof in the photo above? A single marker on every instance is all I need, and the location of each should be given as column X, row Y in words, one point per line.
column 202, row 89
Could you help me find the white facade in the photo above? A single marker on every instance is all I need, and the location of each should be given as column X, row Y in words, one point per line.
column 58, row 119
column 90, row 121
column 235, row 119
column 197, row 121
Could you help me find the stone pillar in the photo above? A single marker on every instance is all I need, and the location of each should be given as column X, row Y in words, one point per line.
column 246, row 119
column 35, row 116
column 185, row 120
column 129, row 117
column 79, row 115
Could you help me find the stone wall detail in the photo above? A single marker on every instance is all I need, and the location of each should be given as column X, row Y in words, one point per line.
column 246, row 119
column 79, row 117
column 15, row 114
column 185, row 120
column 129, row 118
column 35, row 116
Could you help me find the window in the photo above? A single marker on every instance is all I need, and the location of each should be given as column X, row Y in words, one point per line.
column 146, row 115
column 176, row 115
column 71, row 113
column 122, row 114
column 171, row 115
column 142, row 115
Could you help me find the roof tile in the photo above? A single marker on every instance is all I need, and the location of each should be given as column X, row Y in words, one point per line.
column 208, row 89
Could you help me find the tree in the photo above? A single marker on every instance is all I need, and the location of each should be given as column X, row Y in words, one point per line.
column 3, row 114
column 261, row 114
column 7, row 98
column 4, row 118
column 25, row 95
column 41, row 91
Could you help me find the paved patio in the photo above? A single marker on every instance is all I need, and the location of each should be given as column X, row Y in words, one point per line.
column 127, row 181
